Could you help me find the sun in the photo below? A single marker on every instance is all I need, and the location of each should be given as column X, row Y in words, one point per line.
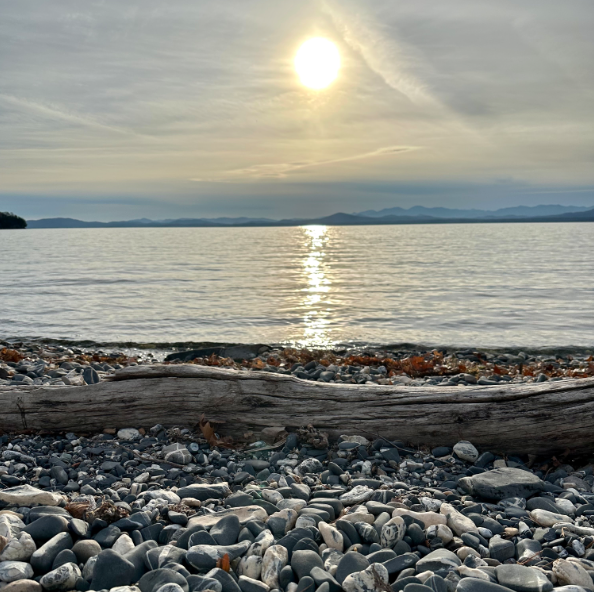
column 317, row 63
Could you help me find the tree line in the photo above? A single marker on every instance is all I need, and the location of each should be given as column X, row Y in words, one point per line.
column 10, row 220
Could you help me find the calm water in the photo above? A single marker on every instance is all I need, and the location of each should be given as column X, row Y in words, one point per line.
column 526, row 285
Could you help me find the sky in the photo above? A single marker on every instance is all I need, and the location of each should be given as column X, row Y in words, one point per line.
column 114, row 110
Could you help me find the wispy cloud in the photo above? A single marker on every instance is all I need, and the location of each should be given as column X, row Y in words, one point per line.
column 64, row 114
column 283, row 169
column 391, row 59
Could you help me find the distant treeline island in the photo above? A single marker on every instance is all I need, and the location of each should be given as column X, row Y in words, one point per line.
column 9, row 220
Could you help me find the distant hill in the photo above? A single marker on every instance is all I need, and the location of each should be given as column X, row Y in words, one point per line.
column 339, row 219
column 518, row 211
column 9, row 221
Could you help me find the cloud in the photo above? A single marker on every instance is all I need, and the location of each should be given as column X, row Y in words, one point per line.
column 56, row 112
column 283, row 169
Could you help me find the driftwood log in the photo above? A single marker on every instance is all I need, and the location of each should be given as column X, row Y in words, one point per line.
column 518, row 418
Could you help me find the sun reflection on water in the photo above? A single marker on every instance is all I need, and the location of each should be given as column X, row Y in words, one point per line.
column 315, row 300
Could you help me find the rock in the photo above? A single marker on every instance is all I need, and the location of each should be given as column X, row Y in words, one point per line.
column 427, row 518
column 128, row 434
column 170, row 588
column 198, row 583
column 456, row 521
column 111, row 570
column 546, row 518
column 332, row 536
column 244, row 513
column 11, row 571
column 357, row 495
column 86, row 549
column 123, row 545
column 250, row 567
column 205, row 557
column 25, row 495
column 501, row 549
column 479, row 585
column 442, row 531
column 19, row 548
column 500, row 483
column 369, row 580
column 153, row 580
column 204, row 491
column 249, row 585
column 351, row 562
column 569, row 573
column 228, row 584
column 226, row 531
column 392, row 532
column 43, row 558
column 436, row 560
column 275, row 558
column 22, row 586
column 466, row 451
column 303, row 562
column 401, row 562
column 90, row 375
column 46, row 527
column 64, row 578
column 522, row 579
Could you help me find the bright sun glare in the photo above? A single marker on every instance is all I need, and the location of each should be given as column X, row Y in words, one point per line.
column 317, row 63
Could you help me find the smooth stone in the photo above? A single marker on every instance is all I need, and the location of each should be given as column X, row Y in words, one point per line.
column 501, row 549
column 205, row 557
column 86, row 549
column 23, row 586
column 11, row 571
column 199, row 583
column 357, row 495
column 427, row 518
column 249, row 585
column 128, row 434
column 137, row 558
column 321, row 576
column 123, row 545
column 546, row 518
column 244, row 513
column 63, row 557
column 365, row 581
column 436, row 560
column 456, row 521
column 392, row 531
column 26, row 495
column 43, row 559
column 466, row 451
column 46, row 527
column 303, row 562
column 228, row 584
column 61, row 579
column 570, row 573
column 332, row 536
column 275, row 559
column 350, row 563
column 111, row 570
column 204, row 491
column 226, row 531
column 19, row 548
column 153, row 580
column 479, row 585
column 501, row 483
column 522, row 579
column 401, row 562
column 250, row 567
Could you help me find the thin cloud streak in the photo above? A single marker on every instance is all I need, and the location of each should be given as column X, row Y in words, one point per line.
column 282, row 170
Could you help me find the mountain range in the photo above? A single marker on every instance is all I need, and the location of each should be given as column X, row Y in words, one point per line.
column 416, row 215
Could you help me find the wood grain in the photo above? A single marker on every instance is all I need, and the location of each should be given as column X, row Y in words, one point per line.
column 517, row 418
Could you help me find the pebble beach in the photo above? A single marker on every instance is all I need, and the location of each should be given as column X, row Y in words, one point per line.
column 168, row 509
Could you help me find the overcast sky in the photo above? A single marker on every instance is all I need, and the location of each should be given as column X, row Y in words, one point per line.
column 153, row 108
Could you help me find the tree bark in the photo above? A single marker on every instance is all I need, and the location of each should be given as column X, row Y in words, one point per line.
column 518, row 418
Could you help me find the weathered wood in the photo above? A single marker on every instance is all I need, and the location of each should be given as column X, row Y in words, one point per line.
column 528, row 418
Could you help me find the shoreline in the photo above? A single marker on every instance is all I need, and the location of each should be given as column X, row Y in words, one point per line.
column 45, row 362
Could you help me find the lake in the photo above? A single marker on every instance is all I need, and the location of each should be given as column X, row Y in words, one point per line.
column 490, row 285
